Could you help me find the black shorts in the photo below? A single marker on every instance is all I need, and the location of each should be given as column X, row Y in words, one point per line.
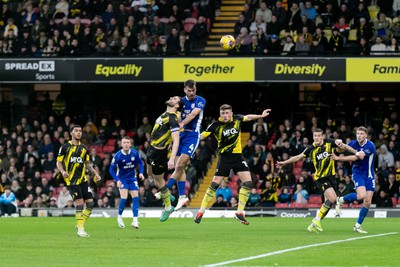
column 228, row 162
column 324, row 183
column 158, row 160
column 80, row 191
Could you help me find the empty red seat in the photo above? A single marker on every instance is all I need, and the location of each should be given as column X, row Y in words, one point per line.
column 188, row 24
column 313, row 205
column 108, row 148
column 281, row 205
column 296, row 205
column 111, row 142
column 315, row 199
column 47, row 175
column 394, row 201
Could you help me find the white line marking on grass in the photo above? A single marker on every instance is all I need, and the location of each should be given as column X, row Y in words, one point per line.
column 297, row 248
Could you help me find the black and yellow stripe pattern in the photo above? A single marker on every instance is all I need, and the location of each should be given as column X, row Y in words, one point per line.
column 74, row 157
column 163, row 127
column 321, row 158
column 227, row 134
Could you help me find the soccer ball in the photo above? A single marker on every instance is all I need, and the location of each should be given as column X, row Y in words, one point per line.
column 227, row 42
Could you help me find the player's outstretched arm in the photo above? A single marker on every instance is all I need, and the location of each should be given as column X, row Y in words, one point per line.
column 280, row 164
column 251, row 117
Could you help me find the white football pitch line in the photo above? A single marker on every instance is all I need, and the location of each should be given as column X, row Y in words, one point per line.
column 297, row 248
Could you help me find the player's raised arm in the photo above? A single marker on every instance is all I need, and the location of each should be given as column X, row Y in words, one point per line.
column 251, row 117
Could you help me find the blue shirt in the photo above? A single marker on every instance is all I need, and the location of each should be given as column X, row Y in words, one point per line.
column 188, row 106
column 364, row 167
column 123, row 166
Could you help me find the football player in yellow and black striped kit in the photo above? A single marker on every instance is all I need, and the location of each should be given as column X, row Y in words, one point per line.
column 227, row 131
column 72, row 161
column 320, row 153
column 165, row 131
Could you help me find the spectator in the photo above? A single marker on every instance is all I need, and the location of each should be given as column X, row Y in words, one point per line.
column 293, row 16
column 308, row 10
column 301, row 48
column 254, row 198
column 10, row 27
column 63, row 198
column 336, row 42
column 385, row 158
column 225, row 191
column 221, row 202
column 268, row 196
column 382, row 27
column 62, row 9
column 8, row 203
column 258, row 23
column 248, row 13
column 285, row 196
column 45, row 147
column 199, row 33
column 300, row 196
column 264, row 12
column 384, row 200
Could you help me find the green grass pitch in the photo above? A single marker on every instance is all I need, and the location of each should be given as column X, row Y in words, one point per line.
column 215, row 242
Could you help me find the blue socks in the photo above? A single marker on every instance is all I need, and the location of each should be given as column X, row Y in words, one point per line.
column 350, row 197
column 361, row 216
column 182, row 188
column 121, row 206
column 135, row 206
column 170, row 183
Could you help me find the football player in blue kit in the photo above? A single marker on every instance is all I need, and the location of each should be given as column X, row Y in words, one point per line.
column 189, row 139
column 363, row 174
column 123, row 170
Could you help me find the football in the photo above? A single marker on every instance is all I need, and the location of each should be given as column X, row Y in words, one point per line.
column 227, row 42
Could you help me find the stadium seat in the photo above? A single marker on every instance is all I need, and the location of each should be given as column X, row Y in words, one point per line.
column 328, row 34
column 46, row 175
column 108, row 148
column 281, row 205
column 111, row 142
column 296, row 205
column 130, row 134
column 233, row 185
column 188, row 24
column 352, row 35
column 299, row 164
column 356, row 206
column 187, row 186
column 99, row 149
column 109, row 182
column 394, row 202
column 313, row 205
column 102, row 190
column 315, row 199
column 235, row 178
